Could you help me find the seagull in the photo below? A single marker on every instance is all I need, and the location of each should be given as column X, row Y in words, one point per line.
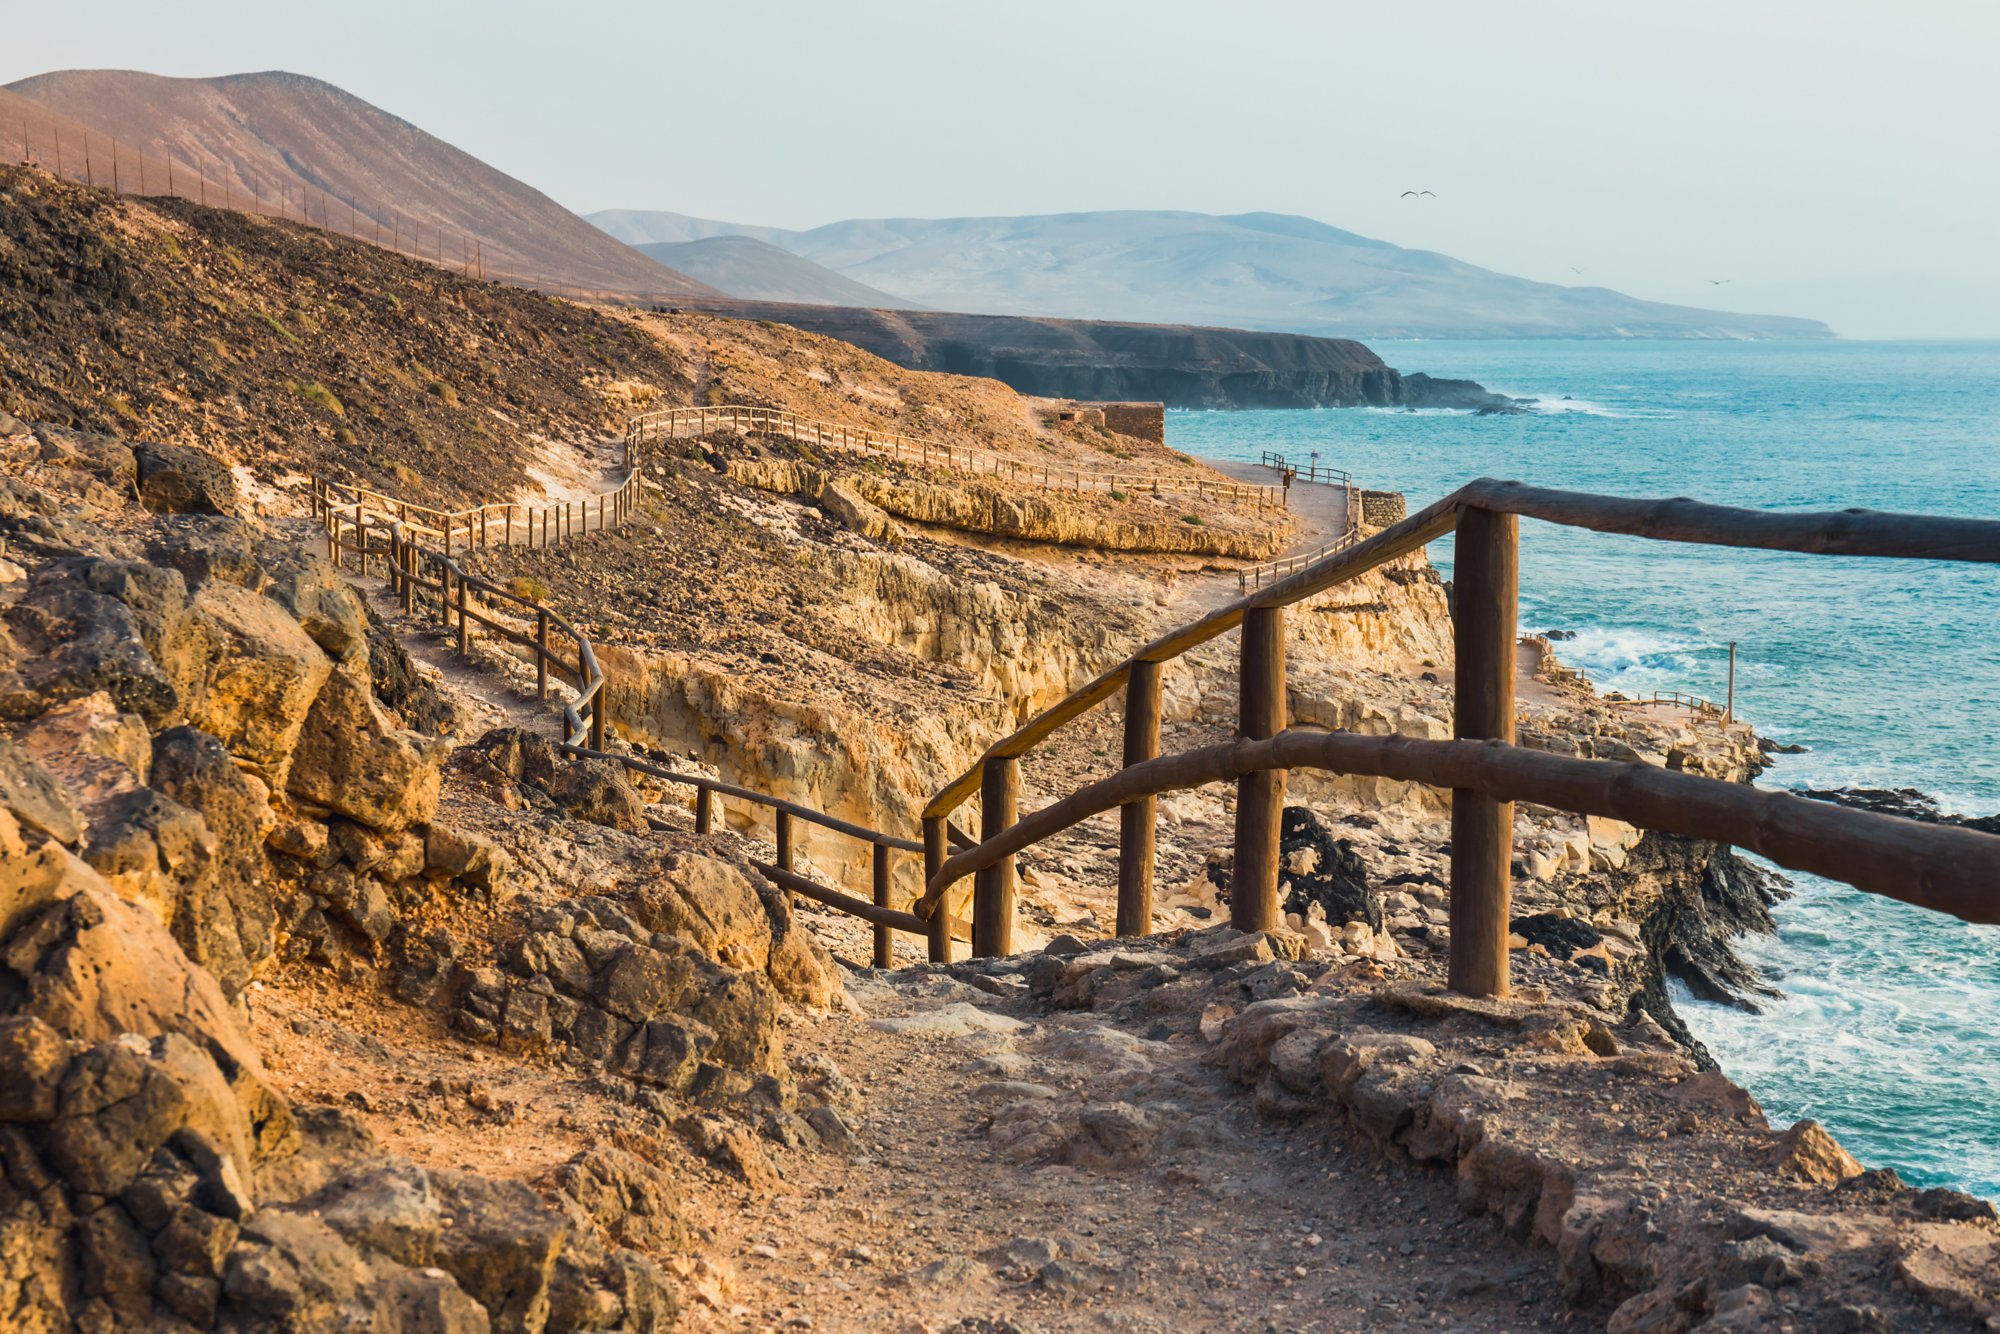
column 1408, row 193
column 1717, row 282
column 1574, row 269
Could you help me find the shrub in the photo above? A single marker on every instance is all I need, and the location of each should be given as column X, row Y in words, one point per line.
column 277, row 325
column 1118, row 495
column 1194, row 519
column 529, row 587
column 406, row 476
column 317, row 394
column 438, row 389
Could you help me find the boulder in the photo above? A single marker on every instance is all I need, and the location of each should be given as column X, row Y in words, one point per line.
column 596, row 790
column 227, row 921
column 712, row 905
column 174, row 479
column 37, row 801
column 89, row 625
column 501, row 1247
column 1808, row 1153
column 1321, row 869
column 354, row 760
column 300, row 579
column 206, row 548
column 260, row 676
column 847, row 507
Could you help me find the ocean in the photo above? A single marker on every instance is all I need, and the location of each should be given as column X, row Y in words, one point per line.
column 1888, row 672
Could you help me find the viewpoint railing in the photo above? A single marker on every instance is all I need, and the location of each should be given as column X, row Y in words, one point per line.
column 1270, row 571
column 689, row 423
column 1945, row 868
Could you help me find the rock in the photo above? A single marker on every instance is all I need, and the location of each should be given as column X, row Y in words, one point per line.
column 1808, row 1153
column 292, row 1271
column 833, row 1131
column 1331, row 874
column 1110, row 1137
column 1063, row 945
column 631, row 1200
column 174, row 479
column 258, row 678
column 846, row 506
column 35, row 798
column 462, row 855
column 34, row 1057
column 596, row 790
column 501, row 1245
column 1952, row 1265
column 352, row 759
column 225, row 921
column 89, row 625
column 1562, row 936
column 732, row 1148
column 950, row 1021
column 301, row 580
column 1233, row 949
column 383, row 1206
column 956, row 1272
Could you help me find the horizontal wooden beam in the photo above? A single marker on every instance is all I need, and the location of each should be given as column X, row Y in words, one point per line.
column 701, row 782
column 1945, row 868
column 1853, row 532
column 893, row 918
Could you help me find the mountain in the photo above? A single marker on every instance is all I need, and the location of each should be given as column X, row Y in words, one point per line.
column 746, row 267
column 268, row 136
column 1251, row 270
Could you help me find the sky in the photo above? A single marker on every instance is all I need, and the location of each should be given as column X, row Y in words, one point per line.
column 1833, row 159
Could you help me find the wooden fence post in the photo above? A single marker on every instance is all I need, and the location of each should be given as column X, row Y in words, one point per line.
column 885, row 937
column 781, row 837
column 937, row 846
column 993, row 892
column 541, row 653
column 464, row 629
column 1260, row 797
column 704, row 811
column 1136, row 818
column 1482, row 829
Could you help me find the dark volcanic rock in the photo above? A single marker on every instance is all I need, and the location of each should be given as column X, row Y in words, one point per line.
column 1182, row 366
column 1337, row 880
column 1906, row 802
column 174, row 479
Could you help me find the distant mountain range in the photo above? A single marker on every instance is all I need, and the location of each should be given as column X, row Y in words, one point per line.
column 273, row 131
column 1250, row 271
column 759, row 271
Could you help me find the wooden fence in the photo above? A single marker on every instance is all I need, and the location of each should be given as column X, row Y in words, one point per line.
column 1945, row 868
column 1942, row 867
column 688, row 423
column 1270, row 571
column 385, row 535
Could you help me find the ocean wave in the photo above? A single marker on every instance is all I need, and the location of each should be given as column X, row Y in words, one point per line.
column 1616, row 656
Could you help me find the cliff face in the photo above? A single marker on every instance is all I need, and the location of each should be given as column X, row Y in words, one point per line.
column 1180, row 365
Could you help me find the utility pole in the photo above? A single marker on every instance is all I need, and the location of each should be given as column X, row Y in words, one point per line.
column 1729, row 711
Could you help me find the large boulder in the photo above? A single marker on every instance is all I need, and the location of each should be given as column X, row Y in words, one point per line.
column 260, row 676
column 354, row 760
column 174, row 479
column 225, row 921
column 1320, row 869
column 596, row 790
column 88, row 625
column 313, row 592
column 712, row 905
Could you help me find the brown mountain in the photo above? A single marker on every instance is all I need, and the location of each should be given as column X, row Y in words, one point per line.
column 282, row 137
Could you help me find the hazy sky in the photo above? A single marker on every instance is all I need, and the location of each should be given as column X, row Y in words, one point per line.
column 1834, row 159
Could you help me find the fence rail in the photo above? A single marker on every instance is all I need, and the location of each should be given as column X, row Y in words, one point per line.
column 1271, row 571
column 372, row 529
column 1940, row 867
column 688, row 423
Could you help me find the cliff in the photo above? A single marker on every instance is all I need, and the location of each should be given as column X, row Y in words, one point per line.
column 1180, row 365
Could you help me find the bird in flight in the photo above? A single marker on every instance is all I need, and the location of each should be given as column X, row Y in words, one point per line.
column 1717, row 282
column 1574, row 269
column 1408, row 193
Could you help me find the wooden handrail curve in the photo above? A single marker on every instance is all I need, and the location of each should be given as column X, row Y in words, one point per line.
column 1940, row 867
column 1946, row 868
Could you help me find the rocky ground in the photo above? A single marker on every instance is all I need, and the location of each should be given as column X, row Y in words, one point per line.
column 331, row 997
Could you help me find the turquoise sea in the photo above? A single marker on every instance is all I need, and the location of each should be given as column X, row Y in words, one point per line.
column 1888, row 671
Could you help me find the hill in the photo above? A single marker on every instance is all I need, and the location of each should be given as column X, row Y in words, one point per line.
column 274, row 133
column 1253, row 271
column 759, row 271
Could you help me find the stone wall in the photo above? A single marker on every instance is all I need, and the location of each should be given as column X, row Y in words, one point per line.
column 1380, row 509
column 1142, row 421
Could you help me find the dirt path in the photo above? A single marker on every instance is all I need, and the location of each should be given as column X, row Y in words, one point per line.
column 1065, row 1172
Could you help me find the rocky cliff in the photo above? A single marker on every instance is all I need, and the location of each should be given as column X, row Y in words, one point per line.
column 1179, row 365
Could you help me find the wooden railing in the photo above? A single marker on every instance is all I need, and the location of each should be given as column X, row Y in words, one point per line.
column 370, row 528
column 1672, row 699
column 1270, row 571
column 1945, row 868
column 1311, row 472
column 688, row 423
